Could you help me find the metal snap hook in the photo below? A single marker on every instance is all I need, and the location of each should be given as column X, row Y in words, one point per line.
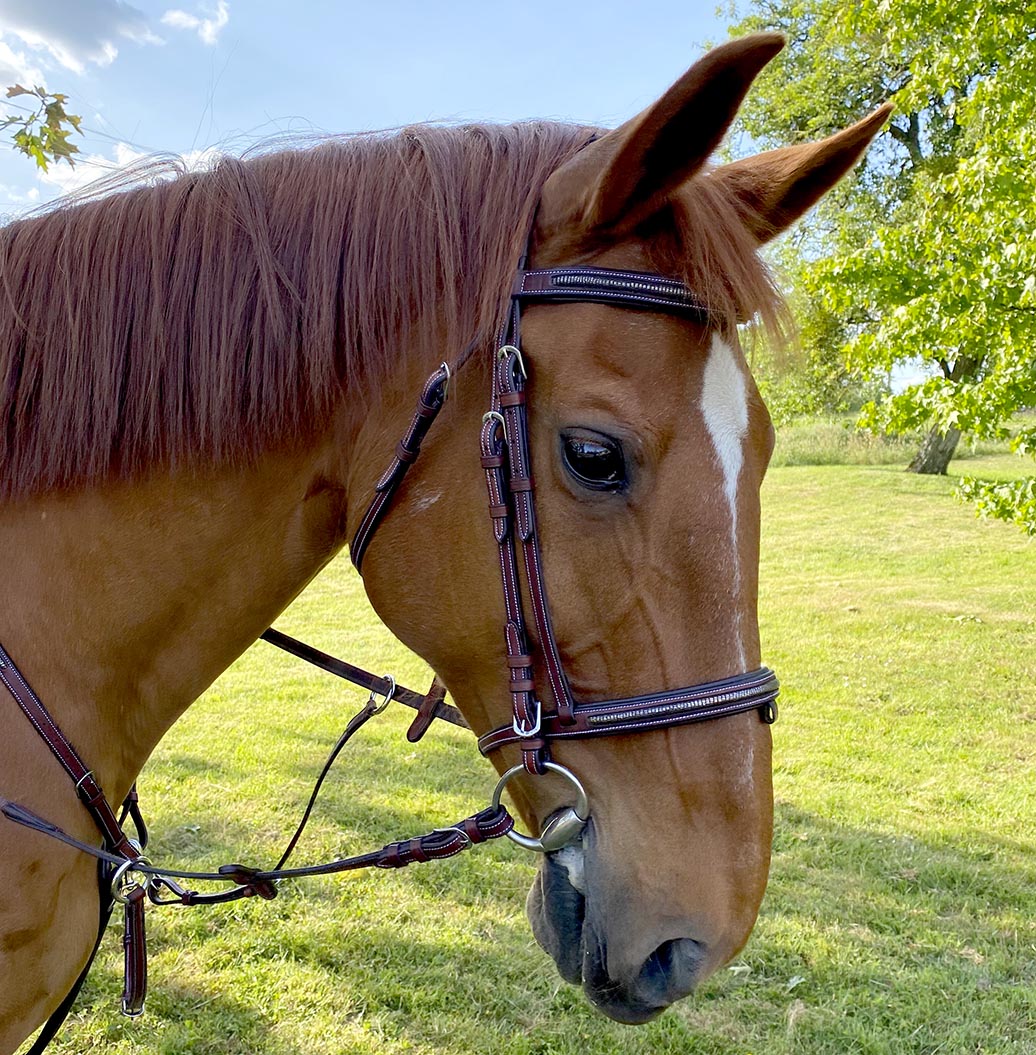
column 121, row 883
column 563, row 827
column 373, row 707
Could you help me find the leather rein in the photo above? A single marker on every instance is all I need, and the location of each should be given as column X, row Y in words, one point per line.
column 128, row 877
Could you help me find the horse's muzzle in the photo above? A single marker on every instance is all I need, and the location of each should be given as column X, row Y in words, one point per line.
column 564, row 925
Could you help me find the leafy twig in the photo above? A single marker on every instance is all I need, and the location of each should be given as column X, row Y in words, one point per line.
column 43, row 133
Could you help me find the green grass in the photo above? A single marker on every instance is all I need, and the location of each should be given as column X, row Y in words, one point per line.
column 900, row 914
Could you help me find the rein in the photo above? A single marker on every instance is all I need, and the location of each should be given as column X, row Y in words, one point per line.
column 128, row 877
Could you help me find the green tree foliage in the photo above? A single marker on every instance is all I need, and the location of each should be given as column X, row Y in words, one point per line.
column 43, row 132
column 929, row 251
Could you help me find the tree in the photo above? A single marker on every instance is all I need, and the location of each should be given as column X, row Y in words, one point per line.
column 927, row 252
column 43, row 132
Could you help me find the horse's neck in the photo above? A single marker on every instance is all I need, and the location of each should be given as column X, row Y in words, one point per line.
column 122, row 604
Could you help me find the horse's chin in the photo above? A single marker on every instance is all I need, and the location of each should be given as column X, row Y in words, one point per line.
column 557, row 907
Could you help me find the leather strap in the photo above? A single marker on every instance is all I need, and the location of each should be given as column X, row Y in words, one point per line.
column 120, row 848
column 134, row 946
column 490, row 823
column 756, row 690
column 433, row 396
column 429, row 706
column 626, row 289
column 87, row 788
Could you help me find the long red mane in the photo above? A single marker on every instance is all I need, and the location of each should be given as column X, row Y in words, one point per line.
column 202, row 318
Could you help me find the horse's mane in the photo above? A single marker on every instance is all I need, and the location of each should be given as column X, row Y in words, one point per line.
column 202, row 318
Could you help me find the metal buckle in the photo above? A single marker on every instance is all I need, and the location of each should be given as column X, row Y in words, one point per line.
column 456, row 831
column 564, row 827
column 512, row 349
column 444, row 366
column 533, row 730
column 372, row 706
column 86, row 776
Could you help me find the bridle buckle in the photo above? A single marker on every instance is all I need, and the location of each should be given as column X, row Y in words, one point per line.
column 527, row 731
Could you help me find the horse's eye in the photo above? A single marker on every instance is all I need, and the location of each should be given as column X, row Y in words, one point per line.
column 594, row 461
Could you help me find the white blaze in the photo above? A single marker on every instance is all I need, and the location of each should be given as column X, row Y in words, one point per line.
column 571, row 858
column 724, row 405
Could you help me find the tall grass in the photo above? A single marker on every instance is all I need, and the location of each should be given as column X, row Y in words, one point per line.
column 835, row 440
column 901, row 908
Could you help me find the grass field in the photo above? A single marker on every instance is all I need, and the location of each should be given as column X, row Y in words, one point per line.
column 901, row 913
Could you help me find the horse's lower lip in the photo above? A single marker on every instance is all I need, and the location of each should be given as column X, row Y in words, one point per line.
column 626, row 1013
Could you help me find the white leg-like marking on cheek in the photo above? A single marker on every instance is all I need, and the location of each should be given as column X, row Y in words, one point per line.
column 424, row 501
column 571, row 859
column 746, row 772
column 724, row 405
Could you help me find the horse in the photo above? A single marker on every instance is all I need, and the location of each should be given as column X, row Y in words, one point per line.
column 200, row 380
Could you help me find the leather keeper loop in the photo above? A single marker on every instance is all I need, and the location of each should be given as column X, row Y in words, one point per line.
column 518, row 662
column 520, row 483
column 533, row 758
column 525, row 685
column 492, row 461
column 405, row 455
column 512, row 399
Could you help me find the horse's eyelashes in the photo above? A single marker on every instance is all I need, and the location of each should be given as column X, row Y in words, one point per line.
column 594, row 460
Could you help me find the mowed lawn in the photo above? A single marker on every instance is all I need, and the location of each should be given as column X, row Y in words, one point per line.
column 901, row 913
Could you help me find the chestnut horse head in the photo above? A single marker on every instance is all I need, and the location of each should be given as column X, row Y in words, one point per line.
column 649, row 445
column 200, row 382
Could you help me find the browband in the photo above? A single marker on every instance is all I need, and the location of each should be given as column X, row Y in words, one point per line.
column 626, row 289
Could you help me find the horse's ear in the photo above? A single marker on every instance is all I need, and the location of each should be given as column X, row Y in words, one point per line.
column 773, row 189
column 628, row 175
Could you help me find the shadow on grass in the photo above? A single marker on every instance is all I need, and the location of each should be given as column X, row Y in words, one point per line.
column 877, row 942
column 909, row 943
column 180, row 1019
column 868, row 942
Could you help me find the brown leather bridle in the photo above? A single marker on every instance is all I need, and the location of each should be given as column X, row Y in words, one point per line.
column 507, row 462
column 128, row 877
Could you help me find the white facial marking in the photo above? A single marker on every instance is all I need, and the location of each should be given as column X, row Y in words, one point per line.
column 746, row 773
column 571, row 859
column 426, row 501
column 724, row 405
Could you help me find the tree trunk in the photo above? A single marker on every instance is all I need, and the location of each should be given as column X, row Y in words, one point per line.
column 935, row 453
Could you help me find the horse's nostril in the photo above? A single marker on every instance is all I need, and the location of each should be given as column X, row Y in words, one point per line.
column 670, row 972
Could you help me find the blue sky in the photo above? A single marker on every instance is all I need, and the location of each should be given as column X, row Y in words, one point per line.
column 186, row 76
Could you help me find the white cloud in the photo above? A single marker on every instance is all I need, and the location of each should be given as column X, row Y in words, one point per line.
column 19, row 196
column 208, row 28
column 17, row 68
column 75, row 33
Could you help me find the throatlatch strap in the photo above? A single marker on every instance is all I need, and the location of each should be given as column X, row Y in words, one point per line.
column 433, row 396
